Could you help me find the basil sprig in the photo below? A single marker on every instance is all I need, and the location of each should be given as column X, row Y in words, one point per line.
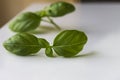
column 68, row 43
column 31, row 20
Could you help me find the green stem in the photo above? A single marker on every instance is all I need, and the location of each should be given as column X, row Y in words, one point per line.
column 42, row 14
column 52, row 22
column 46, row 21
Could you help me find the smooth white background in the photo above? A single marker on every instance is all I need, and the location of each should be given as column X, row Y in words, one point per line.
column 100, row 59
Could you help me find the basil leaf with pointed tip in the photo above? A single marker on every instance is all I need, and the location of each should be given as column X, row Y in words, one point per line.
column 69, row 43
column 25, row 22
column 45, row 44
column 58, row 9
column 22, row 44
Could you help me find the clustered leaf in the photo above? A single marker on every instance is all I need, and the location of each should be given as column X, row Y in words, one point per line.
column 49, row 52
column 68, row 43
column 31, row 20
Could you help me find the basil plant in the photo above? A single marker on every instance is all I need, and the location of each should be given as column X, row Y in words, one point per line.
column 68, row 43
column 31, row 20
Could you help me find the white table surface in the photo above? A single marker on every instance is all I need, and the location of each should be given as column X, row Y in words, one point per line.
column 100, row 59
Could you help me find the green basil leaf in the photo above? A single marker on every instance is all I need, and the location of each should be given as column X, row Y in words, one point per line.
column 25, row 22
column 59, row 8
column 49, row 52
column 22, row 44
column 69, row 42
column 43, row 43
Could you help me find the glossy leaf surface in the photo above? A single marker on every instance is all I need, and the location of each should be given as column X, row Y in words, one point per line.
column 69, row 42
column 43, row 43
column 58, row 9
column 22, row 44
column 25, row 22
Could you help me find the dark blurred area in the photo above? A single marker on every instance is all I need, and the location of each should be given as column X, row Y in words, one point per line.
column 100, row 0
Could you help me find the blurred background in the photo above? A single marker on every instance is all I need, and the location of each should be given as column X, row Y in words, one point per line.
column 9, row 8
column 100, row 0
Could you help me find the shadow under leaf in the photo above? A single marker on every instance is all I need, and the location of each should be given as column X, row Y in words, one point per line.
column 93, row 53
column 44, row 29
